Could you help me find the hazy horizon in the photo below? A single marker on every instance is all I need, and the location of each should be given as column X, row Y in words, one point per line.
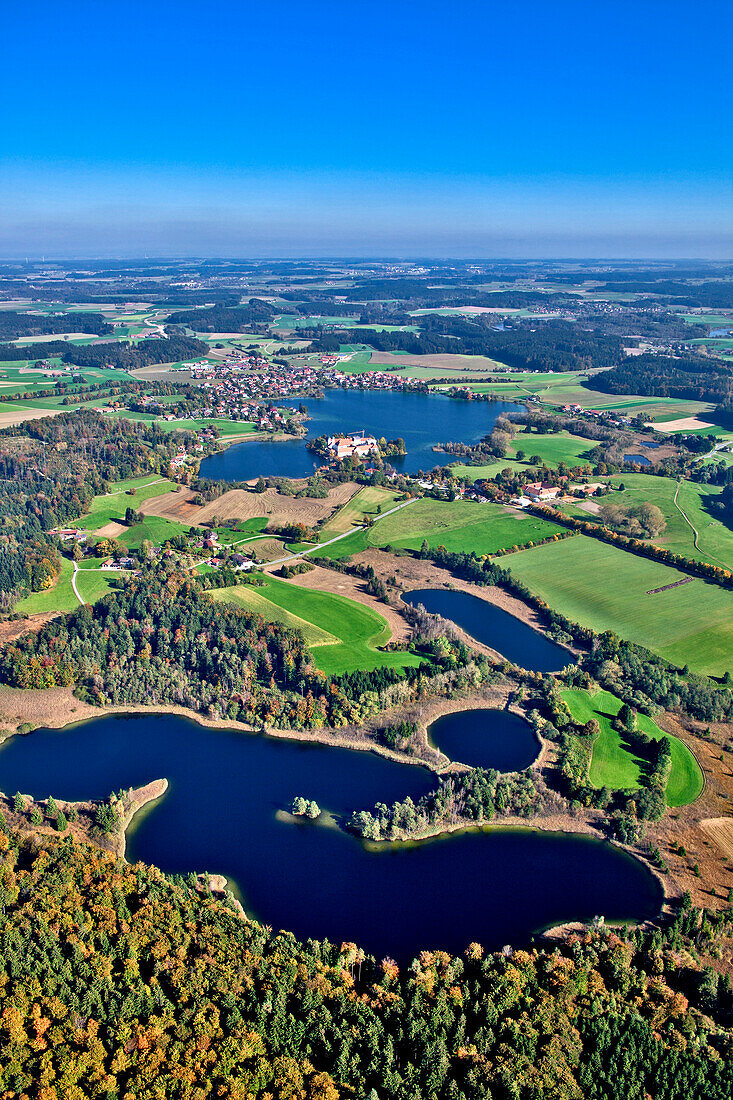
column 447, row 131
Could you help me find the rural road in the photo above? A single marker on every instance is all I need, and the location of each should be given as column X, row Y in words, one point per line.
column 304, row 553
column 337, row 538
column 73, row 582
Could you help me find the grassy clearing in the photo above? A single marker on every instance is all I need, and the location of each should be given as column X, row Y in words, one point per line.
column 354, row 631
column 460, row 525
column 571, row 387
column 91, row 581
column 58, row 598
column 252, row 599
column 153, row 529
column 488, row 470
column 551, row 449
column 614, row 765
column 605, row 588
column 715, row 539
column 365, row 502
column 110, row 507
column 226, row 428
column 245, row 529
column 717, row 320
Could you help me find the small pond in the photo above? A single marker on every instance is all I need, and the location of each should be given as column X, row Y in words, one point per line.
column 494, row 627
column 486, row 739
column 421, row 419
column 221, row 815
column 640, row 460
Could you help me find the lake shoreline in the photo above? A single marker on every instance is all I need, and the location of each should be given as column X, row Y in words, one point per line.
column 59, row 714
column 423, row 420
column 553, row 824
column 166, row 852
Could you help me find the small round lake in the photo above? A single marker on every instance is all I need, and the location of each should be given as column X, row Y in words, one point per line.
column 221, row 815
column 421, row 419
column 493, row 627
column 640, row 460
column 495, row 739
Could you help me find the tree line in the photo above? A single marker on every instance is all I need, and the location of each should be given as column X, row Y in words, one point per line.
column 120, row 981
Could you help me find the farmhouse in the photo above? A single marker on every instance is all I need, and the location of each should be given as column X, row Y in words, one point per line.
column 69, row 534
column 540, row 490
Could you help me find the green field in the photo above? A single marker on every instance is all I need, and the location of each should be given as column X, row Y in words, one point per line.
column 614, row 765
column 245, row 529
column 488, row 470
column 226, row 427
column 352, row 630
column 293, row 321
column 110, row 507
column 91, row 582
column 566, row 388
column 718, row 342
column 605, row 588
column 714, row 538
column 253, row 599
column 364, row 503
column 717, row 320
column 17, row 378
column 551, row 449
column 59, row 598
column 462, row 525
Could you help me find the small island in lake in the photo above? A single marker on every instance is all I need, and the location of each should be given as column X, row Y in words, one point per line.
column 359, row 445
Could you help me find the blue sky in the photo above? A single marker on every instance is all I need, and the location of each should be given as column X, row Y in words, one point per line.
column 470, row 128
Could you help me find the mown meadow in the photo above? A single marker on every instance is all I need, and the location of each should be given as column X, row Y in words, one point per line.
column 613, row 763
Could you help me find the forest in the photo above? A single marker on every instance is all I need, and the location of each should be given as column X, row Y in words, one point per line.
column 13, row 325
column 119, row 982
column 50, row 469
column 161, row 639
column 134, row 356
column 693, row 379
column 224, row 318
column 553, row 346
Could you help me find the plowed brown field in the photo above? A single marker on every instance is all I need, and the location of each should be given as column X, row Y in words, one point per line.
column 240, row 504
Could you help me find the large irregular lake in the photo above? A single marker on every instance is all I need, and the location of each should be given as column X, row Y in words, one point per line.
column 420, row 419
column 484, row 738
column 494, row 627
column 220, row 815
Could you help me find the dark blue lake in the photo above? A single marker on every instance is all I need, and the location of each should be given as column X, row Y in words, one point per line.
column 220, row 815
column 486, row 739
column 421, row 419
column 493, row 627
column 640, row 460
